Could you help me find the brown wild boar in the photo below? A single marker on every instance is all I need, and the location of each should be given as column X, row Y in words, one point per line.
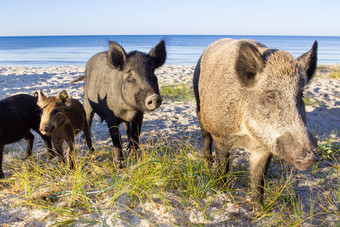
column 62, row 118
column 249, row 96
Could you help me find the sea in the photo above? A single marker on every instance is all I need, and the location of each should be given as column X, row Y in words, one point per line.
column 44, row 51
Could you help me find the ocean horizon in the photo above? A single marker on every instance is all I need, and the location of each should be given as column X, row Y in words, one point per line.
column 44, row 51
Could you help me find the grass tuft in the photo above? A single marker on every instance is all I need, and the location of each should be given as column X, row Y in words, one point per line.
column 334, row 74
column 179, row 92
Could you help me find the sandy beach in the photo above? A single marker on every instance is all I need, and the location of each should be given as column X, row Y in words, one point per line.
column 174, row 119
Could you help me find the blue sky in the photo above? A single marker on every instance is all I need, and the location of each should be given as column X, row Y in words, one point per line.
column 211, row 17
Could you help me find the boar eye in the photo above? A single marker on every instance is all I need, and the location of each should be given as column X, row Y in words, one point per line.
column 56, row 113
column 271, row 97
column 130, row 78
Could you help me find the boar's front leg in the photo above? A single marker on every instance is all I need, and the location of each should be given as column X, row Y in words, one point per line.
column 1, row 154
column 69, row 154
column 259, row 163
column 134, row 133
column 222, row 149
column 48, row 143
column 29, row 138
column 58, row 145
column 116, row 141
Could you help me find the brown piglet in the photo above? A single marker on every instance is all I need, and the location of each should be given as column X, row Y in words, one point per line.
column 62, row 118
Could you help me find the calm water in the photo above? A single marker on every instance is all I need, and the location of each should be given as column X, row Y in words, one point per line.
column 181, row 49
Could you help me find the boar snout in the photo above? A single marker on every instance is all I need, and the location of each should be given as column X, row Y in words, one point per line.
column 45, row 129
column 308, row 161
column 153, row 102
column 297, row 153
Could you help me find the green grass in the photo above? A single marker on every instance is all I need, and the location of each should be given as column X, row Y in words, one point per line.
column 309, row 101
column 179, row 92
column 170, row 176
column 326, row 71
column 328, row 148
column 334, row 74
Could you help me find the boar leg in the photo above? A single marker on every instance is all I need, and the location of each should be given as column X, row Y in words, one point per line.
column 207, row 142
column 1, row 154
column 136, row 127
column 116, row 140
column 29, row 138
column 58, row 145
column 259, row 163
column 48, row 143
column 88, row 112
column 222, row 149
column 87, row 134
column 69, row 153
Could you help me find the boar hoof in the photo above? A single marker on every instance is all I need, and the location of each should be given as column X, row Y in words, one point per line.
column 50, row 155
column 256, row 207
column 121, row 164
column 134, row 153
column 27, row 156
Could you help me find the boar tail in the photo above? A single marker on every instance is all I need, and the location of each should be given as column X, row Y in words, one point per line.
column 78, row 79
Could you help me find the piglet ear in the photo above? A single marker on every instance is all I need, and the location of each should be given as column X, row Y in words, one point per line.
column 116, row 56
column 63, row 98
column 158, row 53
column 249, row 62
column 41, row 98
column 308, row 61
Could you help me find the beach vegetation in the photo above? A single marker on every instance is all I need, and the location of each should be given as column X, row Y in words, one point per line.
column 171, row 180
column 310, row 101
column 178, row 92
column 334, row 74
column 328, row 148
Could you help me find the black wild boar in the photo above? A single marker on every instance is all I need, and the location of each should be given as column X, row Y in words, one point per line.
column 62, row 118
column 19, row 114
column 250, row 96
column 120, row 87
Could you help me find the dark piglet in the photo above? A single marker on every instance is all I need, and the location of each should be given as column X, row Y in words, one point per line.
column 19, row 114
column 120, row 87
column 250, row 96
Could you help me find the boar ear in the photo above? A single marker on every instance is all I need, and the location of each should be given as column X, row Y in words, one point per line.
column 248, row 63
column 41, row 98
column 308, row 61
column 116, row 56
column 63, row 98
column 158, row 53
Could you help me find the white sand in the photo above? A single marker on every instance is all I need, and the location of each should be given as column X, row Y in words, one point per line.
column 171, row 119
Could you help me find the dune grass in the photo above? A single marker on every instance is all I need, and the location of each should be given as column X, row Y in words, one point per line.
column 172, row 178
column 334, row 74
column 310, row 101
column 178, row 92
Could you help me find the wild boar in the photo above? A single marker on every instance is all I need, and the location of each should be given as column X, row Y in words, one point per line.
column 19, row 114
column 120, row 87
column 61, row 119
column 249, row 96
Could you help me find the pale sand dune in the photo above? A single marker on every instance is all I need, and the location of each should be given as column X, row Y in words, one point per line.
column 172, row 119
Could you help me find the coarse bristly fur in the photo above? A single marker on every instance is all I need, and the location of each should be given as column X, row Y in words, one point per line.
column 19, row 114
column 62, row 118
column 250, row 96
column 120, row 87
